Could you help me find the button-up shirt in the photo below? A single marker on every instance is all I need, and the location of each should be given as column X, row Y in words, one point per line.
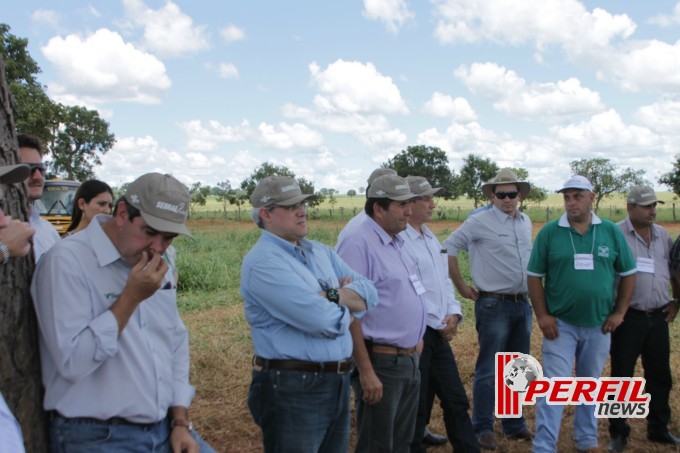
column 349, row 226
column 288, row 316
column 433, row 262
column 651, row 289
column 10, row 431
column 399, row 318
column 88, row 369
column 499, row 247
column 45, row 234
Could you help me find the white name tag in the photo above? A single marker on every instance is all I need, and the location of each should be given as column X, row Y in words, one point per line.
column 417, row 284
column 583, row 262
column 645, row 265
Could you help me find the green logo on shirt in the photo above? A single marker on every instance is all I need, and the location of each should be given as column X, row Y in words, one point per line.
column 112, row 296
column 603, row 251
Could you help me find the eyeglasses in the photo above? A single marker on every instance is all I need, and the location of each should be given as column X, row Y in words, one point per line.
column 503, row 195
column 294, row 207
column 40, row 167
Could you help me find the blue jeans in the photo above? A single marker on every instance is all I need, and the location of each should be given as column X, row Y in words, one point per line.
column 388, row 425
column 502, row 326
column 88, row 435
column 301, row 411
column 589, row 348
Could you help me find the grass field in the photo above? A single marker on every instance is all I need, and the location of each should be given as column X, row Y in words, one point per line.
column 222, row 353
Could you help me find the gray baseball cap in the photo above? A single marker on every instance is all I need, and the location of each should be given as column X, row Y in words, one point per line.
column 390, row 186
column 378, row 172
column 642, row 195
column 163, row 202
column 9, row 174
column 421, row 187
column 278, row 190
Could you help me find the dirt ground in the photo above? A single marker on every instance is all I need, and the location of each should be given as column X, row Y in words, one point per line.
column 221, row 364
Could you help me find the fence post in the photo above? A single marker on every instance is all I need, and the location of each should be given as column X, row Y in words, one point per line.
column 674, row 212
column 547, row 214
column 458, row 214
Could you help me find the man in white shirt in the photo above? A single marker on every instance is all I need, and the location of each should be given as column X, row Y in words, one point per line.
column 31, row 153
column 114, row 350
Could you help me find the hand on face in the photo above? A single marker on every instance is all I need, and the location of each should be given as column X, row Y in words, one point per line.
column 146, row 276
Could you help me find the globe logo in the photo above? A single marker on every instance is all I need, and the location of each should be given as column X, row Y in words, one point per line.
column 521, row 371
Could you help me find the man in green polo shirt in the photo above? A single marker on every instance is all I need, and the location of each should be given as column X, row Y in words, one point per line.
column 572, row 274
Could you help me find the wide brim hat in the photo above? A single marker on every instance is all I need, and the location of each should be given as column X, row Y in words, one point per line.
column 10, row 174
column 506, row 176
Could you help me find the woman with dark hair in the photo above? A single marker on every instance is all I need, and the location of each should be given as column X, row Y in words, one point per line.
column 93, row 197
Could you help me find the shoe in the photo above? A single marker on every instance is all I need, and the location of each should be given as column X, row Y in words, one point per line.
column 525, row 434
column 487, row 441
column 618, row 443
column 663, row 438
column 433, row 439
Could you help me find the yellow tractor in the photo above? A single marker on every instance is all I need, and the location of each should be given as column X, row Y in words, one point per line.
column 56, row 202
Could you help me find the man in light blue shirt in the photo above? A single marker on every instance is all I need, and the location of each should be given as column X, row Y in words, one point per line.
column 113, row 348
column 299, row 300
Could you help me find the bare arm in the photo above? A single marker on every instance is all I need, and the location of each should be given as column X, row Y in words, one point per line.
column 626, row 288
column 467, row 291
column 371, row 386
column 546, row 322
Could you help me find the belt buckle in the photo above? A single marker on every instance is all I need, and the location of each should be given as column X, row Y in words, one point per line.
column 338, row 364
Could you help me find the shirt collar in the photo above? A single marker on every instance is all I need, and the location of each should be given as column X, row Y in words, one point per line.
column 412, row 233
column 564, row 222
column 502, row 217
column 104, row 249
column 382, row 234
column 631, row 229
column 288, row 247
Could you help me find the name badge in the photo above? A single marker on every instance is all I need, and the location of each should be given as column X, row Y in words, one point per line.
column 645, row 265
column 583, row 262
column 417, row 284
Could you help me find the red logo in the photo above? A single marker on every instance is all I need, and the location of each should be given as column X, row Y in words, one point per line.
column 519, row 381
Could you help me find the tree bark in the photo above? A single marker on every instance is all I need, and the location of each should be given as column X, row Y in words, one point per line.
column 20, row 379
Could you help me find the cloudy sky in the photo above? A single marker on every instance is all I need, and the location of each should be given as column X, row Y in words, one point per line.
column 207, row 91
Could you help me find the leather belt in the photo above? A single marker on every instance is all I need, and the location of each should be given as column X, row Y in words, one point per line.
column 339, row 367
column 652, row 312
column 387, row 349
column 108, row 421
column 513, row 297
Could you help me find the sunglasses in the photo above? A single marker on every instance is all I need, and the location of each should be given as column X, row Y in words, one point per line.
column 503, row 195
column 40, row 167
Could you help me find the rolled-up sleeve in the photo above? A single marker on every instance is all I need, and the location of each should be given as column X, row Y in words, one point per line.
column 360, row 284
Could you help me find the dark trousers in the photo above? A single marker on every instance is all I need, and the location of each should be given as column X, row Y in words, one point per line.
column 439, row 374
column 646, row 336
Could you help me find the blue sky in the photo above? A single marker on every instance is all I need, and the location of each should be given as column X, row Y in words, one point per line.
column 208, row 91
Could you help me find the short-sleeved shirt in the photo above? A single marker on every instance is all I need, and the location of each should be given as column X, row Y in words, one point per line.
column 580, row 297
column 399, row 318
column 651, row 288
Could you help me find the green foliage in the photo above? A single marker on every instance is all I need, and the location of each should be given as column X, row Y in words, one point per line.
column 474, row 173
column 672, row 178
column 81, row 139
column 429, row 162
column 537, row 195
column 351, row 193
column 606, row 178
column 267, row 169
column 199, row 195
column 75, row 136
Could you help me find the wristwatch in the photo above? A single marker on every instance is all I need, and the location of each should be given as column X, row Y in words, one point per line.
column 5, row 252
column 332, row 294
column 185, row 423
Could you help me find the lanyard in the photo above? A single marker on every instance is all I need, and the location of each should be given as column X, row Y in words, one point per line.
column 592, row 249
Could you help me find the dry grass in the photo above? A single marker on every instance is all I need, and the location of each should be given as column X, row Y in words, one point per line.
column 221, row 364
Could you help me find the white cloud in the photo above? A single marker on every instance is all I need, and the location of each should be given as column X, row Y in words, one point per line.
column 206, row 136
column 667, row 20
column 93, row 11
column 167, row 31
column 103, row 68
column 645, row 65
column 47, row 17
column 662, row 117
column 443, row 105
column 354, row 87
column 512, row 95
column 232, row 33
column 287, row 136
column 393, row 13
column 228, row 71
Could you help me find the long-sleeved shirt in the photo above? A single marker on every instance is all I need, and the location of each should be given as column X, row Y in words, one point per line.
column 399, row 318
column 651, row 288
column 288, row 316
column 499, row 247
column 440, row 297
column 45, row 234
column 350, row 225
column 88, row 370
column 10, row 431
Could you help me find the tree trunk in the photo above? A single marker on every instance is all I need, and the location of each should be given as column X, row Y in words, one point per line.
column 20, row 379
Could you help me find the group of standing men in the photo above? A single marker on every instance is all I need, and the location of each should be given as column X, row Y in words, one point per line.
column 378, row 315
